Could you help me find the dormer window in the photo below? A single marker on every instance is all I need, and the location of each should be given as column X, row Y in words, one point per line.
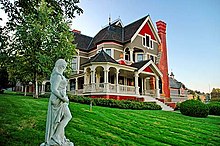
column 147, row 42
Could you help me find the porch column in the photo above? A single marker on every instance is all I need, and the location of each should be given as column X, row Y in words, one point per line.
column 131, row 54
column 93, row 79
column 117, row 85
column 136, row 83
column 142, row 86
column 76, row 87
column 92, row 76
column 145, row 85
column 106, row 85
column 126, row 83
column 157, row 87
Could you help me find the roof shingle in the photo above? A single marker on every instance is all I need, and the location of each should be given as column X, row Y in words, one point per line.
column 102, row 56
column 139, row 64
column 112, row 32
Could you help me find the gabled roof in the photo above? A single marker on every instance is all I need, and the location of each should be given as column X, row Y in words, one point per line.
column 139, row 64
column 102, row 56
column 130, row 29
column 114, row 32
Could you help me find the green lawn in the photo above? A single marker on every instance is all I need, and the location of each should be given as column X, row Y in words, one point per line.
column 23, row 120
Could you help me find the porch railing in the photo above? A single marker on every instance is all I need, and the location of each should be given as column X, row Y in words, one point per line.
column 149, row 93
column 126, row 89
column 112, row 88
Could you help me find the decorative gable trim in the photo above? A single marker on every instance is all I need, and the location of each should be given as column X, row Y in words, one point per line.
column 141, row 27
column 153, row 66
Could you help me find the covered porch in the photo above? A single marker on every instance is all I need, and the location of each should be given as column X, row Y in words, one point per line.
column 119, row 80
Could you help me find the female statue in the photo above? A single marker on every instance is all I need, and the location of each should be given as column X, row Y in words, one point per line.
column 58, row 114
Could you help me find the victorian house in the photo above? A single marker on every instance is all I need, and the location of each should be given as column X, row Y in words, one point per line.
column 122, row 62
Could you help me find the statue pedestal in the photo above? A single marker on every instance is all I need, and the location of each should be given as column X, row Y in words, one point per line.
column 65, row 144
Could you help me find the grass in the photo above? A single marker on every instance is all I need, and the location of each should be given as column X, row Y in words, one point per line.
column 23, row 120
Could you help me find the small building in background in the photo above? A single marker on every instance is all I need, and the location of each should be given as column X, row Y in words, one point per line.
column 178, row 91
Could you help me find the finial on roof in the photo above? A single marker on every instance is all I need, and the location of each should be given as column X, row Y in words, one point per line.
column 172, row 75
column 109, row 19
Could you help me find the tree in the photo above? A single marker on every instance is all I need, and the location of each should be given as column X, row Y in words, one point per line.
column 3, row 58
column 42, row 36
column 215, row 93
column 18, row 8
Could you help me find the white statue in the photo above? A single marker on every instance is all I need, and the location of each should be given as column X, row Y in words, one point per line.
column 58, row 114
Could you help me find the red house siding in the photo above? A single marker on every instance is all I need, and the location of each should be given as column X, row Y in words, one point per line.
column 146, row 29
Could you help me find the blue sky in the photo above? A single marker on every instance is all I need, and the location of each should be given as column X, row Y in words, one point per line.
column 193, row 33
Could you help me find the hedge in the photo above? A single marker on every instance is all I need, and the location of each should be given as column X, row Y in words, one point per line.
column 194, row 108
column 214, row 108
column 123, row 104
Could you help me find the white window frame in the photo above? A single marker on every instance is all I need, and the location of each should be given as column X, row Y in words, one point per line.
column 76, row 69
column 151, row 42
column 109, row 50
column 136, row 56
column 112, row 51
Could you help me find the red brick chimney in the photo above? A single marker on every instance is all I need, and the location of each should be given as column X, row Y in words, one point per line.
column 163, row 64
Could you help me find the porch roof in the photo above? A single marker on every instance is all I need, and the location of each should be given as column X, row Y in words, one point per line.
column 142, row 65
column 139, row 64
column 102, row 56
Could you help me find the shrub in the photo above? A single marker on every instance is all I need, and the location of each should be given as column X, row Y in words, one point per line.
column 194, row 108
column 214, row 108
column 177, row 106
column 123, row 104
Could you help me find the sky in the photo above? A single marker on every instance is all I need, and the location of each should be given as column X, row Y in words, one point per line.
column 193, row 33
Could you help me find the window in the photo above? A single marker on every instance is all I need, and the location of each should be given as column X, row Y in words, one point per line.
column 74, row 63
column 147, row 42
column 151, row 44
column 127, row 57
column 139, row 57
column 144, row 41
column 108, row 51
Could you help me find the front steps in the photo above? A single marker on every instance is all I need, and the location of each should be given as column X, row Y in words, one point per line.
column 163, row 105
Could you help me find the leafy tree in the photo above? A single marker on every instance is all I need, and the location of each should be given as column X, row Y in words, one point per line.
column 3, row 58
column 18, row 8
column 215, row 93
column 42, row 36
